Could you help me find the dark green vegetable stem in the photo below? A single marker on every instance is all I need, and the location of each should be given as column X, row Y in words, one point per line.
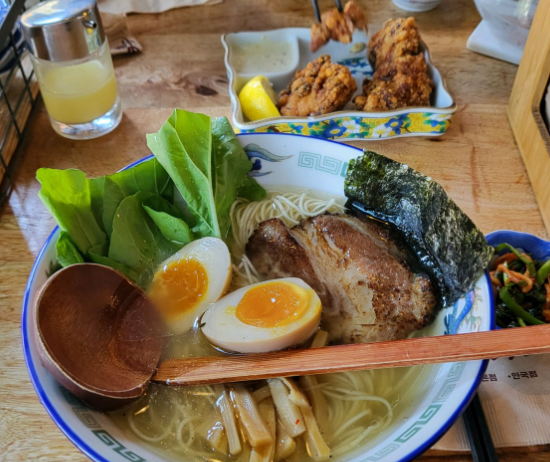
column 528, row 263
column 543, row 273
column 509, row 301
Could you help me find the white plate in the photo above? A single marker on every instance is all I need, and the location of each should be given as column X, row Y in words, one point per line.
column 306, row 163
column 347, row 123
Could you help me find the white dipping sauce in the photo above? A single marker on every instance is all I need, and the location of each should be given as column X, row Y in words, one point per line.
column 263, row 57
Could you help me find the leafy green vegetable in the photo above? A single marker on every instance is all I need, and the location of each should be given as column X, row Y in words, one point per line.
column 132, row 220
column 68, row 196
column 195, row 132
column 231, row 165
column 67, row 253
column 543, row 273
column 176, row 152
column 519, row 284
column 208, row 166
column 250, row 189
column 136, row 240
column 516, row 308
column 106, row 261
column 172, row 228
column 97, row 186
column 169, row 220
column 101, row 249
column 147, row 176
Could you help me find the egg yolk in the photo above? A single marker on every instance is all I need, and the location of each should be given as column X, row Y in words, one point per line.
column 178, row 287
column 272, row 305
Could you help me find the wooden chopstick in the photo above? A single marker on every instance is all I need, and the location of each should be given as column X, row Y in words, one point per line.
column 479, row 436
column 399, row 353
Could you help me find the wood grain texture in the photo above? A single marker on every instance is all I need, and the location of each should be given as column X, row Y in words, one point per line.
column 524, row 110
column 477, row 161
column 341, row 358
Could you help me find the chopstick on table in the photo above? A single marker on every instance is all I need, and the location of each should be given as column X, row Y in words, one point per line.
column 317, row 11
column 479, row 436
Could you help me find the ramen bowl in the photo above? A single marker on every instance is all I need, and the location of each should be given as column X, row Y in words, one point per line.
column 421, row 416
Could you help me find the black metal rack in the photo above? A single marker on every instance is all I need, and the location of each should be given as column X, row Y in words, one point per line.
column 18, row 94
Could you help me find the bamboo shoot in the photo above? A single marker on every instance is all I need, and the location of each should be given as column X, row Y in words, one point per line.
column 228, row 417
column 254, row 427
column 288, row 412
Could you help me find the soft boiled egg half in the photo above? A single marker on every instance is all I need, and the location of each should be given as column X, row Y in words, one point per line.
column 189, row 281
column 267, row 316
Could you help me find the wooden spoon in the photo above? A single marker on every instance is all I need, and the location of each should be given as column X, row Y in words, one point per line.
column 426, row 350
column 98, row 334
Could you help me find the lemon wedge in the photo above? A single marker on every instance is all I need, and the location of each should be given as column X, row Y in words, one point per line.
column 258, row 99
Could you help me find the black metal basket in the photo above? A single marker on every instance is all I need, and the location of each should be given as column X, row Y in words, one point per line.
column 19, row 93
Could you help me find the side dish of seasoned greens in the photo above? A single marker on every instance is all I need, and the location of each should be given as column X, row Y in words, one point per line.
column 134, row 219
column 522, row 288
column 448, row 245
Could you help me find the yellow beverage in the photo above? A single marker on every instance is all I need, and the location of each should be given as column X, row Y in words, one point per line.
column 80, row 93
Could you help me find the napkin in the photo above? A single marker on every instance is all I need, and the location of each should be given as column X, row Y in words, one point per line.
column 515, row 395
column 120, row 39
column 148, row 6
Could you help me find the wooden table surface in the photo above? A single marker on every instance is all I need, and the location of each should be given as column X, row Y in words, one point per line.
column 477, row 162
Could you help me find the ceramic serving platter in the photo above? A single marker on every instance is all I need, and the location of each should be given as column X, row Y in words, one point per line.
column 421, row 417
column 347, row 123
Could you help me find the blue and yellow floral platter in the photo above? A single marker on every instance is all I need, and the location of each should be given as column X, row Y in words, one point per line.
column 347, row 123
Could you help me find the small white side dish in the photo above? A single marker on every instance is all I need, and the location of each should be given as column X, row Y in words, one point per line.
column 243, row 41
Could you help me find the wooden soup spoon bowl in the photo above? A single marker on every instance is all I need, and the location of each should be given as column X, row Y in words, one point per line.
column 98, row 334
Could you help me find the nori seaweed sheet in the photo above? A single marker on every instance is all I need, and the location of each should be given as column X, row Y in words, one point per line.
column 447, row 244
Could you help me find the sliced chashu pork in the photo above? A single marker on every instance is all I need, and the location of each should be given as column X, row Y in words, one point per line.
column 368, row 292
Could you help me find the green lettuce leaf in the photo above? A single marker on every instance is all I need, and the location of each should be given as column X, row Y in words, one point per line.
column 134, row 219
column 183, row 147
column 169, row 220
column 97, row 186
column 106, row 261
column 250, row 189
column 147, row 176
column 68, row 196
column 67, row 253
column 136, row 241
column 230, row 168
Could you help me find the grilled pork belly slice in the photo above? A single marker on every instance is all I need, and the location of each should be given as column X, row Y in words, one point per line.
column 369, row 293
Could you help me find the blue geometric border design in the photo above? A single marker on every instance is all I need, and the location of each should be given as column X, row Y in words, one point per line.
column 109, row 440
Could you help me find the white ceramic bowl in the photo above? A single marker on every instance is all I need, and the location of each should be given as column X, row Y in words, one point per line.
column 422, row 419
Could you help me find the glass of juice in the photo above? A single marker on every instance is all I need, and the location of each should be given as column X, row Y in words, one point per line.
column 73, row 65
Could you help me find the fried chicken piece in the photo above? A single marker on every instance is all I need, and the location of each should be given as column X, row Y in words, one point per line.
column 320, row 88
column 403, row 82
column 353, row 11
column 337, row 26
column 397, row 38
